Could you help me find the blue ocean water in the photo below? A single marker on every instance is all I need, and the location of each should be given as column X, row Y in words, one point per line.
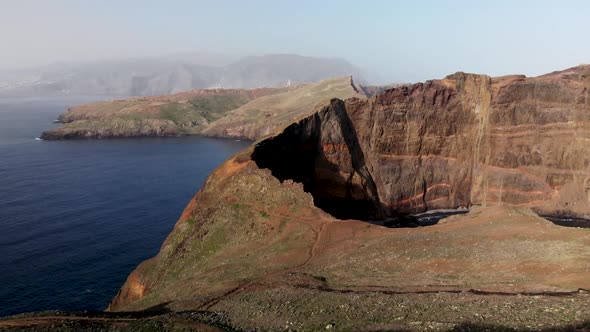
column 77, row 216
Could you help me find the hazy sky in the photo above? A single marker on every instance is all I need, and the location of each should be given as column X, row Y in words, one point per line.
column 401, row 41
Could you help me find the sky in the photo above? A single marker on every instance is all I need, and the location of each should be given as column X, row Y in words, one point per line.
column 393, row 41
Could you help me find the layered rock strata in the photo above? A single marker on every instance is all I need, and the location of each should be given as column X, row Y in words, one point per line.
column 461, row 141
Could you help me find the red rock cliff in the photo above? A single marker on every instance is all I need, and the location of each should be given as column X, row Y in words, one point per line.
column 464, row 140
column 461, row 141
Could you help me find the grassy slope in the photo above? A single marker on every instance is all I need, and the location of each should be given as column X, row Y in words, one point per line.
column 171, row 115
column 265, row 115
column 273, row 259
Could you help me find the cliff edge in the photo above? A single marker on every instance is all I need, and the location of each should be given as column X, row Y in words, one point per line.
column 288, row 230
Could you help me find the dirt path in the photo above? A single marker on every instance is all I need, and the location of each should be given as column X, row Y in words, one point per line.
column 50, row 319
column 387, row 291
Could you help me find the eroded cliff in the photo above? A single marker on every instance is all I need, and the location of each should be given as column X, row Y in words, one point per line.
column 263, row 242
column 461, row 141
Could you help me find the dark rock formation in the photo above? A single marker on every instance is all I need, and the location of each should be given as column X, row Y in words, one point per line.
column 323, row 153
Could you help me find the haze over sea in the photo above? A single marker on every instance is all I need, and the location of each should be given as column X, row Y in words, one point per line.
column 77, row 216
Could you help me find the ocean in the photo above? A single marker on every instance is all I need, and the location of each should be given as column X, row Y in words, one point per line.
column 76, row 217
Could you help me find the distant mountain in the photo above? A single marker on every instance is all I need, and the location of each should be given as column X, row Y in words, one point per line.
column 282, row 69
column 172, row 74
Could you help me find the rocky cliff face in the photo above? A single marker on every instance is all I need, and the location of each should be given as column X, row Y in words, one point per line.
column 461, row 141
column 266, row 229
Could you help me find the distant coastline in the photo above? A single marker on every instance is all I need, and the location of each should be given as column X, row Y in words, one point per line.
column 224, row 113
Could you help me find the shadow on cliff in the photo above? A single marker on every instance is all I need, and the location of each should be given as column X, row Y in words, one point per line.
column 158, row 309
column 324, row 154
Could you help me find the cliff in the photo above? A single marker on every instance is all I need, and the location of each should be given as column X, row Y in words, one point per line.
column 460, row 141
column 277, row 234
column 216, row 112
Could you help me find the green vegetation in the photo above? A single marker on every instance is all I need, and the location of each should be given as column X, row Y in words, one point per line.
column 191, row 221
column 268, row 113
column 179, row 113
column 238, row 206
column 211, row 243
column 201, row 109
column 213, row 107
column 182, row 114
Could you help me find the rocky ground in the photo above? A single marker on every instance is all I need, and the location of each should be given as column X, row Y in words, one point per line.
column 294, row 267
column 296, row 308
column 100, row 321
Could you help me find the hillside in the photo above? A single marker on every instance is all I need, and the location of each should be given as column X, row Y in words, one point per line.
column 290, row 233
column 264, row 115
column 249, row 113
column 152, row 76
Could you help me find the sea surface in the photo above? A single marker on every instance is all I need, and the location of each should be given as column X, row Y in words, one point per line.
column 76, row 217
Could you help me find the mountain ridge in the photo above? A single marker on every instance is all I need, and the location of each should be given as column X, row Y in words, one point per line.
column 165, row 75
